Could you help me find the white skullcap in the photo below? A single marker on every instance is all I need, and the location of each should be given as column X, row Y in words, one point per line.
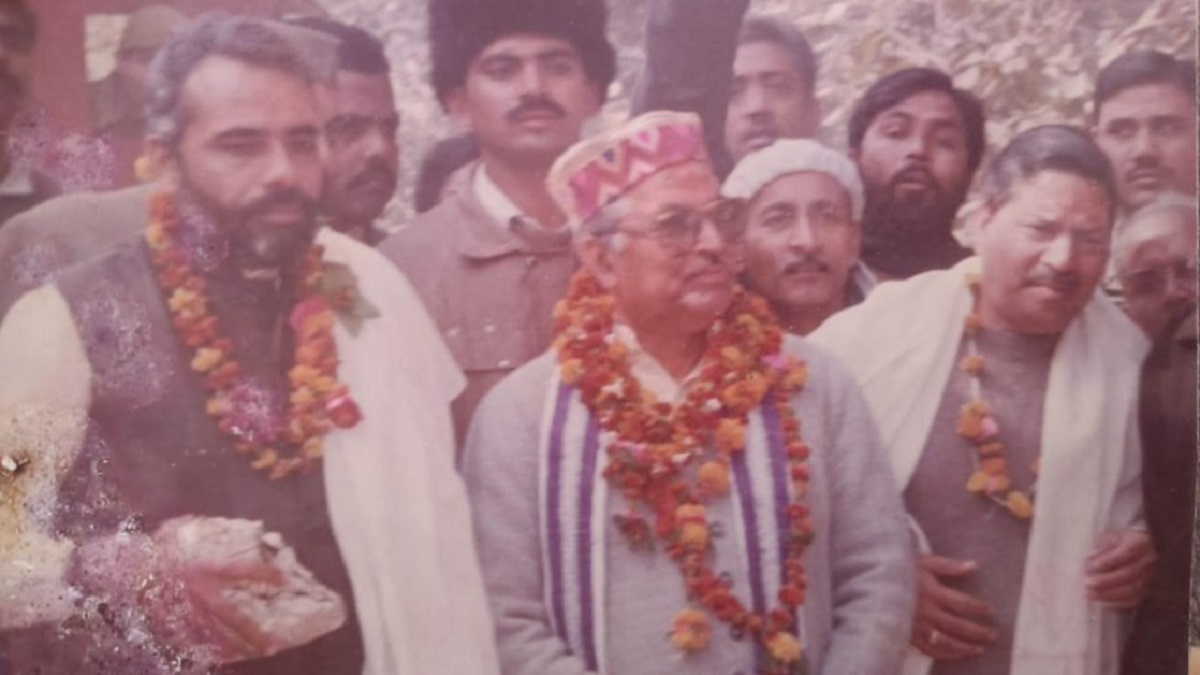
column 793, row 155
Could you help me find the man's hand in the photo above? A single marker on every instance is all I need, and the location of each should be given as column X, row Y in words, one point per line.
column 949, row 624
column 1119, row 569
column 205, row 618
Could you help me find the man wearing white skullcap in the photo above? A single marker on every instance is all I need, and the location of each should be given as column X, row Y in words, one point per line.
column 803, row 230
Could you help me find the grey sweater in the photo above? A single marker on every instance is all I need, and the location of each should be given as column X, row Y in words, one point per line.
column 860, row 566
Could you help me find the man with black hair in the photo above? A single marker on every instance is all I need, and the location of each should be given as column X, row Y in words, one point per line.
column 918, row 141
column 522, row 76
column 751, row 80
column 21, row 187
column 1144, row 119
column 1006, row 390
column 212, row 459
column 363, row 158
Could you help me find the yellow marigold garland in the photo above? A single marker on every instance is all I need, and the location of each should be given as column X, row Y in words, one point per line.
column 978, row 425
column 669, row 461
column 317, row 402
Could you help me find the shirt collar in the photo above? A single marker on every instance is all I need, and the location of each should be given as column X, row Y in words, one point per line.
column 649, row 372
column 494, row 202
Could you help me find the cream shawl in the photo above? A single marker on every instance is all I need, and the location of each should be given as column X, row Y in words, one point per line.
column 899, row 346
column 398, row 508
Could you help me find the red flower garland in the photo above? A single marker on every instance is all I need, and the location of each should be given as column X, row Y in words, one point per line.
column 977, row 424
column 669, row 462
column 317, row 402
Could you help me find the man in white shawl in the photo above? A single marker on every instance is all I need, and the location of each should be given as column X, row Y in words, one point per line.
column 677, row 487
column 1005, row 390
column 225, row 445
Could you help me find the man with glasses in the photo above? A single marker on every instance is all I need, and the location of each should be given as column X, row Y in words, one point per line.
column 1155, row 260
column 803, row 230
column 21, row 187
column 1006, row 390
column 677, row 486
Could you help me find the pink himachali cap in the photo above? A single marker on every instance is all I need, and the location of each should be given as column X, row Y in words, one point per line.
column 596, row 172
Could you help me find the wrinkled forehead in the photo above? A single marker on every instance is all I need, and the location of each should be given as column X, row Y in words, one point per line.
column 1163, row 235
column 525, row 46
column 223, row 91
column 927, row 105
column 688, row 184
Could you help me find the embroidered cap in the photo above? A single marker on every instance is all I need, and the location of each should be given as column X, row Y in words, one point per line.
column 596, row 172
column 786, row 156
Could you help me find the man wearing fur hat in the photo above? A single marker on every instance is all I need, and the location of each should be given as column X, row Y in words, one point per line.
column 522, row 76
column 805, row 203
column 677, row 486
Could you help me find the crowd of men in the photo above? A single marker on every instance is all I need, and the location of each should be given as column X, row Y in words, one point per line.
column 692, row 394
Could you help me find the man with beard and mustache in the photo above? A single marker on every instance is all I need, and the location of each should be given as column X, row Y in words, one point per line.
column 1144, row 120
column 641, row 492
column 362, row 157
column 1006, row 388
column 212, row 460
column 917, row 141
column 522, row 77
column 805, row 204
column 21, row 187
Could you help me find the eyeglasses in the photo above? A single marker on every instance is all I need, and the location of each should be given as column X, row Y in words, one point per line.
column 678, row 227
column 1154, row 280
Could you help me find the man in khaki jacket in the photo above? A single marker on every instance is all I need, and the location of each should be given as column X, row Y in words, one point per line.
column 522, row 76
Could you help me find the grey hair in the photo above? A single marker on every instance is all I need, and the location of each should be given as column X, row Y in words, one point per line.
column 1050, row 147
column 251, row 41
column 1164, row 203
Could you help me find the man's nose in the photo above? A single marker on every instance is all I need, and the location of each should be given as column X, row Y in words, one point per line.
column 281, row 166
column 533, row 80
column 754, row 99
column 1059, row 254
column 1144, row 143
column 802, row 236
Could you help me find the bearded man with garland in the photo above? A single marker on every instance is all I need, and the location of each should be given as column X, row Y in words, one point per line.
column 1007, row 389
column 677, row 486
column 228, row 449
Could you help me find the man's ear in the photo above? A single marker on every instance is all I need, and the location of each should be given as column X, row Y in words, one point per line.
column 596, row 257
column 456, row 106
column 161, row 163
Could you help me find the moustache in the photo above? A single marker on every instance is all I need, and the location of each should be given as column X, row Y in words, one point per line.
column 1063, row 282
column 376, row 170
column 284, row 197
column 914, row 174
column 535, row 105
column 804, row 263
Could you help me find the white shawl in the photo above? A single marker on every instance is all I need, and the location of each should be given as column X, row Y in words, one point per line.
column 398, row 508
column 900, row 345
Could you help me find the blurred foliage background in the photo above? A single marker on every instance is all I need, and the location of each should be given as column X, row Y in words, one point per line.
column 1031, row 61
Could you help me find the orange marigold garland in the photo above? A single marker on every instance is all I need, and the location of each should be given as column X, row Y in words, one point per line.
column 317, row 402
column 669, row 461
column 977, row 424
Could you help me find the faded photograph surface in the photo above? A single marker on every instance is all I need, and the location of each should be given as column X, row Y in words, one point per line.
column 598, row 336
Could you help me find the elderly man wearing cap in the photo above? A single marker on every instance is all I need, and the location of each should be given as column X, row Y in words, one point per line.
column 677, row 486
column 805, row 203
column 1006, row 388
